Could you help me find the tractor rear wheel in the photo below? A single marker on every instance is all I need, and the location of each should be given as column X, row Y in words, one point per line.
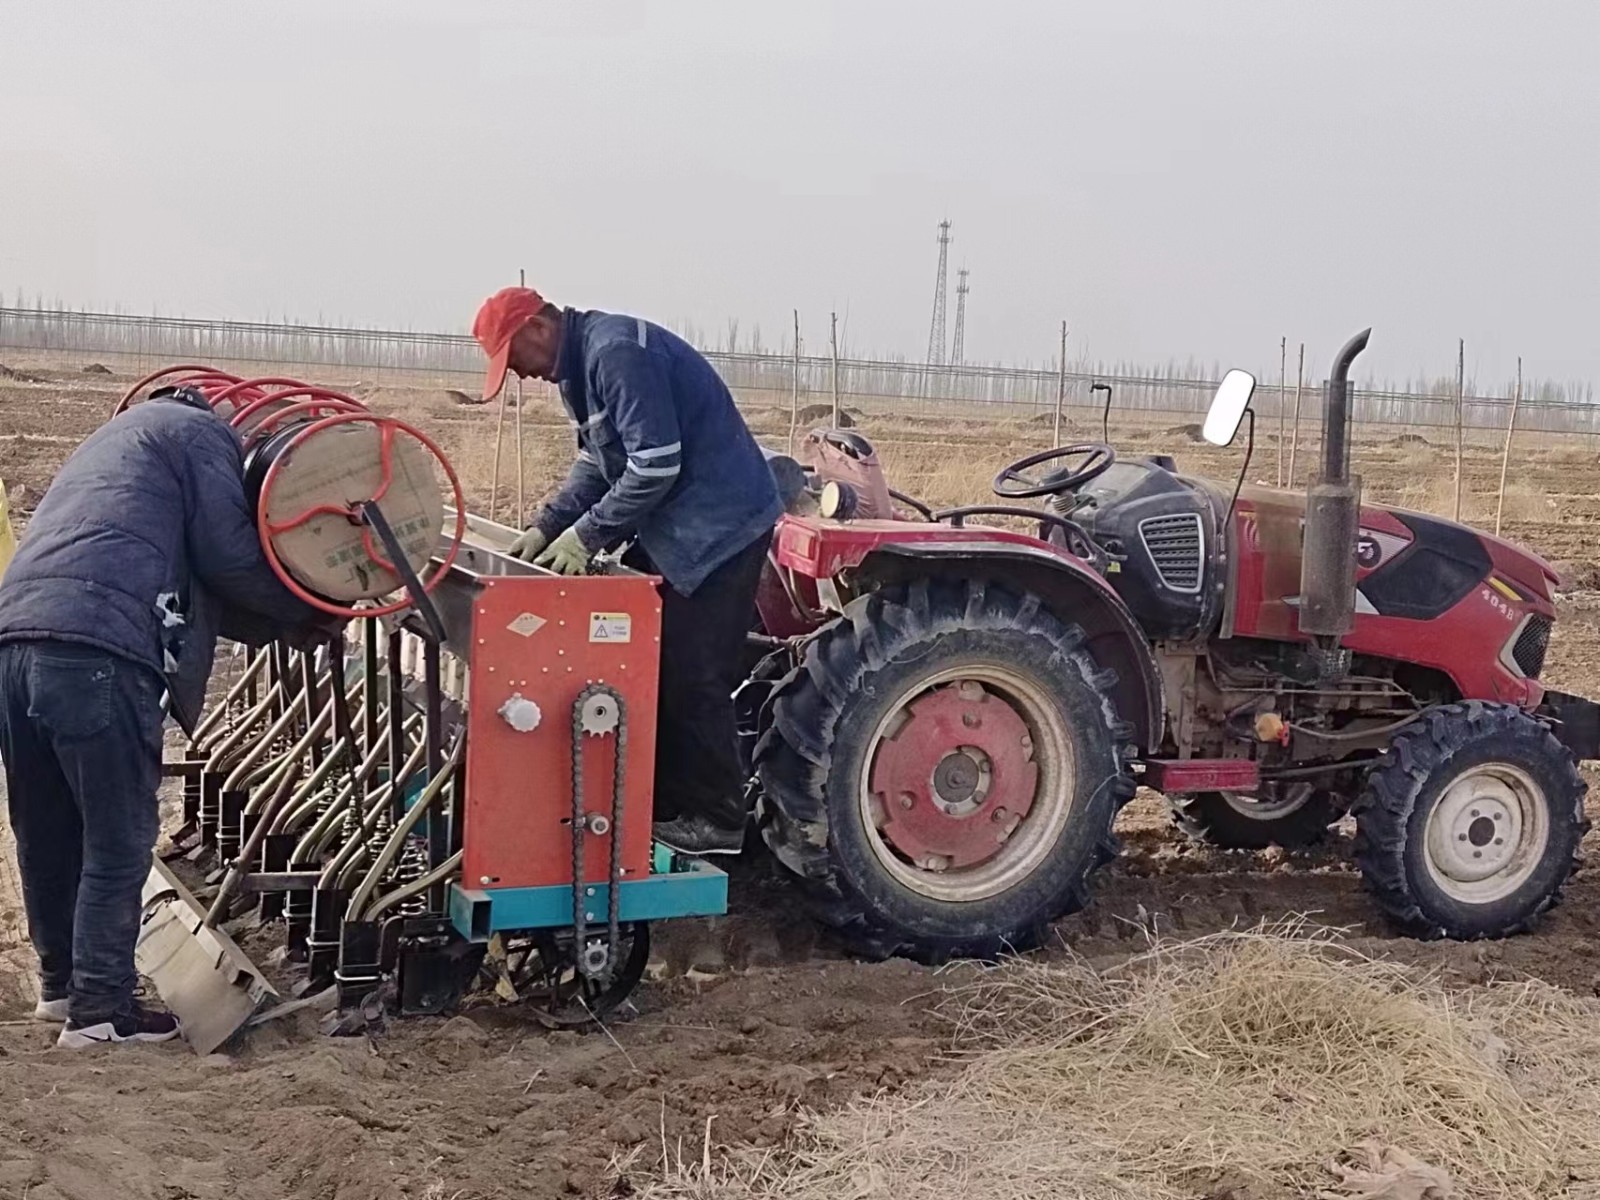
column 1291, row 815
column 942, row 770
column 1471, row 826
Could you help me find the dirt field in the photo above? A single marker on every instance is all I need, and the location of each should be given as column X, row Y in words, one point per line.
column 746, row 1020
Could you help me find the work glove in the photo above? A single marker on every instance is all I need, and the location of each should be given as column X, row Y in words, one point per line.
column 567, row 555
column 528, row 545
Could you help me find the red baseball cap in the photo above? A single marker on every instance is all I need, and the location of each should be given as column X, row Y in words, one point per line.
column 502, row 314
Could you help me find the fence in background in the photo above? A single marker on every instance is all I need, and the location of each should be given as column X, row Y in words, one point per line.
column 146, row 341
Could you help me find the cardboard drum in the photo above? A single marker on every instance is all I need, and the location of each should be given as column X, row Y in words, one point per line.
column 336, row 468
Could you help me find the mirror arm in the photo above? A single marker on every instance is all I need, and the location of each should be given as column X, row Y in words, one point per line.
column 1105, row 416
column 1249, row 450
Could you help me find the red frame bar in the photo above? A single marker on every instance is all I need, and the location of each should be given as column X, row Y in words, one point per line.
column 1185, row 776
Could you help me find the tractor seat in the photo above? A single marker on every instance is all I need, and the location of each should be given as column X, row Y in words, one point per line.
column 788, row 474
column 845, row 440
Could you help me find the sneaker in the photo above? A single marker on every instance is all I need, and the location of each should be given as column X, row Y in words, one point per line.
column 698, row 836
column 138, row 1024
column 52, row 1009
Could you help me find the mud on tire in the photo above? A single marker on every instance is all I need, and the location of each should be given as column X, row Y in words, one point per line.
column 1471, row 789
column 882, row 657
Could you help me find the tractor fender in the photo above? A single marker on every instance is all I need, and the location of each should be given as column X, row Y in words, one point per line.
column 1068, row 587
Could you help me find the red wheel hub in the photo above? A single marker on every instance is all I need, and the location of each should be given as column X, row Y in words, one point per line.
column 953, row 780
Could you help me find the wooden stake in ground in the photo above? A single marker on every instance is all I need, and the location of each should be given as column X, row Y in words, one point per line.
column 1294, row 438
column 1283, row 388
column 794, row 400
column 499, row 439
column 522, row 281
column 1505, row 458
column 1061, row 385
column 833, row 337
column 1461, row 394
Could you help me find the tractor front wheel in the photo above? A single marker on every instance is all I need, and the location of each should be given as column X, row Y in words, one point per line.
column 942, row 770
column 1471, row 826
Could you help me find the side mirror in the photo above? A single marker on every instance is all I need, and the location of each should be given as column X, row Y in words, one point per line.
column 1228, row 407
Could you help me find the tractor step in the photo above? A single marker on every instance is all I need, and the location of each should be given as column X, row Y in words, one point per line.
column 1184, row 776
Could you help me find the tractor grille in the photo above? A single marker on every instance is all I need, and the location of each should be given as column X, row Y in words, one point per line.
column 1176, row 546
column 1529, row 649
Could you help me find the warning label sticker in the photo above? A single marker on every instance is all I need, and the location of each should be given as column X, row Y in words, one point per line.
column 610, row 627
column 526, row 624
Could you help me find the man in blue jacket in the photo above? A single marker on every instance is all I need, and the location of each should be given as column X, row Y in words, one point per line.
column 664, row 461
column 143, row 549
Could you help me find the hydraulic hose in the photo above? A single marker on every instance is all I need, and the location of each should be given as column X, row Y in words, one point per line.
column 304, row 805
column 439, row 874
column 212, row 719
column 305, row 792
column 402, row 830
column 262, row 748
column 280, row 779
column 377, row 805
column 228, row 750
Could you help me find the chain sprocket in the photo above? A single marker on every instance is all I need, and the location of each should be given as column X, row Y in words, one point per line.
column 598, row 712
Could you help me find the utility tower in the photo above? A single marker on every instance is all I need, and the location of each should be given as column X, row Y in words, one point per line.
column 936, row 330
column 959, row 338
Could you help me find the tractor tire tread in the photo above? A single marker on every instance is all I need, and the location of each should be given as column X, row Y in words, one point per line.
column 793, row 758
column 1385, row 809
column 1201, row 817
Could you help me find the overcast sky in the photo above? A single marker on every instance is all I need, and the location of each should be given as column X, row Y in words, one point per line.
column 1174, row 179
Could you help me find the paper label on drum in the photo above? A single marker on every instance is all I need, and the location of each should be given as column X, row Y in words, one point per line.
column 526, row 624
column 610, row 627
column 318, row 483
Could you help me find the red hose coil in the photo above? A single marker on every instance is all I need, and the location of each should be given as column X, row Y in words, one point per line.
column 387, row 428
column 201, row 372
column 251, row 396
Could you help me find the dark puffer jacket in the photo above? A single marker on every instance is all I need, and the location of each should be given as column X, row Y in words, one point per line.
column 145, row 546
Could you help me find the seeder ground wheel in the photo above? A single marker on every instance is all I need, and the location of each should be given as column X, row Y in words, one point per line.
column 540, row 966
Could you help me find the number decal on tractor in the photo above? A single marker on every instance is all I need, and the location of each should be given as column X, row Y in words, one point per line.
column 1498, row 603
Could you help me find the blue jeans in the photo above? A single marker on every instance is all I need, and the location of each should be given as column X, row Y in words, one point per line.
column 80, row 733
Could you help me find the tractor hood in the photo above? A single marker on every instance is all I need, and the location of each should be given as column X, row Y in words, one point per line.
column 1523, row 566
column 1414, row 562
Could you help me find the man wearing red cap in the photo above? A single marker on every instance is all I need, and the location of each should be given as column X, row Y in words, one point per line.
column 664, row 461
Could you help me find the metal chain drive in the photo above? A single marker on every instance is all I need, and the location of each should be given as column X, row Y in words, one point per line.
column 597, row 712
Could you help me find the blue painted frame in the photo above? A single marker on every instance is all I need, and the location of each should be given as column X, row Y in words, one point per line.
column 696, row 889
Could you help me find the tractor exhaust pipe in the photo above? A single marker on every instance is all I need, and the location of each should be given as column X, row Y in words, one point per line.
column 1333, row 518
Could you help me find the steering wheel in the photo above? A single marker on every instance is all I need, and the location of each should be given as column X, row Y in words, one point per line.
column 1013, row 485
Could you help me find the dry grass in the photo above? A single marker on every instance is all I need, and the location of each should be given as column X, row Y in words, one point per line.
column 1436, row 493
column 1275, row 1063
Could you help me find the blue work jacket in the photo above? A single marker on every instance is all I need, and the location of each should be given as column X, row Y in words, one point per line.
column 663, row 455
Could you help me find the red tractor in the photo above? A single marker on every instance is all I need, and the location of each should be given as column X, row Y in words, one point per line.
column 950, row 715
